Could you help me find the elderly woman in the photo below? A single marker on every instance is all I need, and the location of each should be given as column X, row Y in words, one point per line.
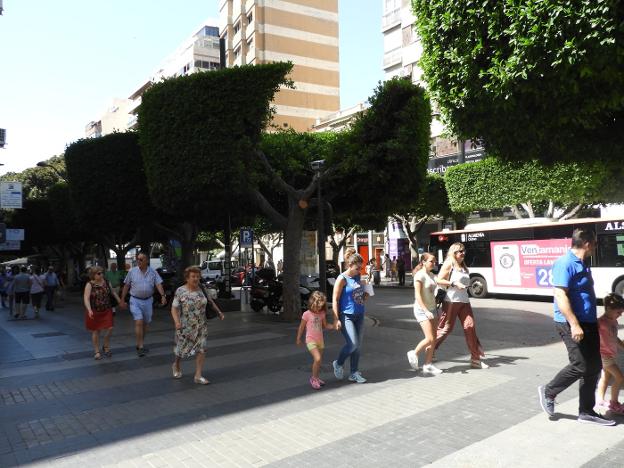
column 189, row 316
column 99, row 316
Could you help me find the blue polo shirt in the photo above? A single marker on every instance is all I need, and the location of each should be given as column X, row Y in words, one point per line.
column 570, row 272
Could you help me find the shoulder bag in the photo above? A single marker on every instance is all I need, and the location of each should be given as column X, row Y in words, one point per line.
column 210, row 310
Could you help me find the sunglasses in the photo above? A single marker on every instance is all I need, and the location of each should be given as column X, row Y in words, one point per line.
column 460, row 251
column 99, row 273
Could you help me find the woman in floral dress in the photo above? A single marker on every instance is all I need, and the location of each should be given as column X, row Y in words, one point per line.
column 188, row 312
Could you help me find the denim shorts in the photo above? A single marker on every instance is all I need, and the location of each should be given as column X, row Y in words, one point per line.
column 141, row 309
column 314, row 345
column 421, row 315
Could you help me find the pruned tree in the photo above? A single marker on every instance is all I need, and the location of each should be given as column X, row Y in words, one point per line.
column 560, row 190
column 197, row 133
column 108, row 189
column 534, row 79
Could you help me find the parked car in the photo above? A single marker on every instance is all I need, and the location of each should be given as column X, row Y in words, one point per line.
column 214, row 269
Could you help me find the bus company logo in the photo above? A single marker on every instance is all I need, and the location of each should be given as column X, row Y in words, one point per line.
column 615, row 226
column 473, row 236
column 533, row 249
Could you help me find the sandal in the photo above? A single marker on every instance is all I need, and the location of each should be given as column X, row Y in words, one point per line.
column 201, row 381
column 97, row 356
column 107, row 352
column 177, row 373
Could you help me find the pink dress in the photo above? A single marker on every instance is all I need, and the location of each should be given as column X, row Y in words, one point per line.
column 314, row 327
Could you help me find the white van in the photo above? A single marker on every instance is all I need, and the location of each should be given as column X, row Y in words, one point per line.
column 214, row 269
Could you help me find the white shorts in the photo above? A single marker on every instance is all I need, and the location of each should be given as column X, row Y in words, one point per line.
column 422, row 315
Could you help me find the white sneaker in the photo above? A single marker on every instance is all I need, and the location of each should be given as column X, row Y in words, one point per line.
column 357, row 377
column 338, row 370
column 412, row 359
column 478, row 365
column 430, row 369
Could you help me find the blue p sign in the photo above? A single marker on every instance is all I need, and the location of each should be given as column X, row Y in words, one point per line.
column 246, row 238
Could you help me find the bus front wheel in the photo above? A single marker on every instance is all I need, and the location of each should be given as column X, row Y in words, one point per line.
column 478, row 287
column 619, row 287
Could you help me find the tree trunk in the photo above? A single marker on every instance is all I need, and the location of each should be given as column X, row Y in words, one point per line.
column 292, row 262
column 187, row 238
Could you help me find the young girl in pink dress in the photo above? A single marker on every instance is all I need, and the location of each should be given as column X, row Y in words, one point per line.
column 609, row 344
column 314, row 321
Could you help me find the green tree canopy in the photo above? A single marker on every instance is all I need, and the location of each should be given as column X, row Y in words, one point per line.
column 493, row 184
column 535, row 79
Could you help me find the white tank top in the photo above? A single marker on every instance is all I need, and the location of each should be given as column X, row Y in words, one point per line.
column 455, row 294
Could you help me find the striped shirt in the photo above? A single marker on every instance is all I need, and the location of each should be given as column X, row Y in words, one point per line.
column 142, row 284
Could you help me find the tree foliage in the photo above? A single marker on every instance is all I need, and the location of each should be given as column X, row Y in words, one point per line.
column 385, row 155
column 492, row 184
column 535, row 79
column 36, row 181
column 198, row 131
column 107, row 185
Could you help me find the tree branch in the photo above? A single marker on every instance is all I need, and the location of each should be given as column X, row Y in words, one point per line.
column 264, row 205
column 275, row 177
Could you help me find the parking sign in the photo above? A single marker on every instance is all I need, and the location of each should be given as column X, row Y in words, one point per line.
column 246, row 238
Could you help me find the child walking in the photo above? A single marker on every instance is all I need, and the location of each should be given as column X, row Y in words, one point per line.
column 314, row 321
column 609, row 344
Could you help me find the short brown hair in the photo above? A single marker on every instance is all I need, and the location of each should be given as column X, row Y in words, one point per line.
column 191, row 269
column 93, row 270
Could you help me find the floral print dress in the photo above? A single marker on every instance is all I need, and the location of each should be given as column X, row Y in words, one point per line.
column 191, row 338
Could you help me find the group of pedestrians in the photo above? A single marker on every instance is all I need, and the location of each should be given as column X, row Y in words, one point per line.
column 21, row 286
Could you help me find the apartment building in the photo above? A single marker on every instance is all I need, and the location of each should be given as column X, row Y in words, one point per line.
column 304, row 32
column 200, row 52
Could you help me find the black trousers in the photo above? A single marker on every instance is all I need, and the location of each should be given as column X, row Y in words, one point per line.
column 585, row 365
column 401, row 277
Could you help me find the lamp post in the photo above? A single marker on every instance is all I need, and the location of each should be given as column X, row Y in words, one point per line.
column 317, row 167
column 45, row 164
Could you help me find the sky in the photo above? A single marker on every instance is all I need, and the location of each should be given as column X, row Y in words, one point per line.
column 63, row 62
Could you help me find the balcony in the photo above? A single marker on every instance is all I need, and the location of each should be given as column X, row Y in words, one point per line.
column 392, row 58
column 391, row 19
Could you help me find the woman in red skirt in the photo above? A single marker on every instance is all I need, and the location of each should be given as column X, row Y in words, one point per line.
column 99, row 310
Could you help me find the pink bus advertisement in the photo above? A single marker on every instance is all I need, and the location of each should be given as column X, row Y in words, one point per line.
column 526, row 264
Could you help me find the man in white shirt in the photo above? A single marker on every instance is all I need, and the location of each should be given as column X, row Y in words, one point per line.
column 141, row 281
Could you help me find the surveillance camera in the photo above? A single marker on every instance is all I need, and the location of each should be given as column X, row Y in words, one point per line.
column 318, row 164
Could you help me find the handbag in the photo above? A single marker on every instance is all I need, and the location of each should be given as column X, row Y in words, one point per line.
column 210, row 310
column 440, row 296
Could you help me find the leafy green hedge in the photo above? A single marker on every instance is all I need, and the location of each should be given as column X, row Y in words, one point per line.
column 491, row 184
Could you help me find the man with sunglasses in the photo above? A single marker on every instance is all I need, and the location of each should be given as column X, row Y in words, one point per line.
column 140, row 282
column 576, row 324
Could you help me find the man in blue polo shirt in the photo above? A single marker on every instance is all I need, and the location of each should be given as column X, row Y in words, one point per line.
column 576, row 324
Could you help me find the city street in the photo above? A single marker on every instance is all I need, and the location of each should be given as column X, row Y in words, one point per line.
column 60, row 407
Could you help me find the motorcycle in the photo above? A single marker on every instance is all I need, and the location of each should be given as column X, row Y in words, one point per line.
column 266, row 290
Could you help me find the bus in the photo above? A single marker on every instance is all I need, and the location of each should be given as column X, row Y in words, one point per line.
column 516, row 256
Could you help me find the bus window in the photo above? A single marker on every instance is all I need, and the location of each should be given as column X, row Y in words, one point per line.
column 478, row 254
column 610, row 251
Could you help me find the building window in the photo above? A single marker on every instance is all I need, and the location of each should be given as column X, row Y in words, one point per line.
column 250, row 43
column 237, row 27
column 249, row 18
column 237, row 53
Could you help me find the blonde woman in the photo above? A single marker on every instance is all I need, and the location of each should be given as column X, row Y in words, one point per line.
column 425, row 312
column 348, row 308
column 454, row 275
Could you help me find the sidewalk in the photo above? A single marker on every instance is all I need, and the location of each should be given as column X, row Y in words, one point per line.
column 62, row 408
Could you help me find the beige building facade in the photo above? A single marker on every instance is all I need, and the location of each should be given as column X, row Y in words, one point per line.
column 304, row 32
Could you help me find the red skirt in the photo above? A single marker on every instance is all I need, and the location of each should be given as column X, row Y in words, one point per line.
column 102, row 320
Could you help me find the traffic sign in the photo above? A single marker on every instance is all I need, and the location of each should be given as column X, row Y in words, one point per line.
column 12, row 234
column 246, row 238
column 11, row 195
